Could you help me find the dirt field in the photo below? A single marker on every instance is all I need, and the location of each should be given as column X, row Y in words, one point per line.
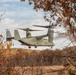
column 42, row 70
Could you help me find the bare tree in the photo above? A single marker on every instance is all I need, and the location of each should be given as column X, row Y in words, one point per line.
column 1, row 15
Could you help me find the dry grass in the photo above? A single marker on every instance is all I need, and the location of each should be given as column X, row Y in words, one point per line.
column 20, row 61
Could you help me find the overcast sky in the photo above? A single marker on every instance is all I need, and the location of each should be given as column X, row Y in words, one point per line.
column 21, row 14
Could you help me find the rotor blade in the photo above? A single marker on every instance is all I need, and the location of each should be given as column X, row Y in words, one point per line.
column 27, row 29
column 41, row 26
column 44, row 26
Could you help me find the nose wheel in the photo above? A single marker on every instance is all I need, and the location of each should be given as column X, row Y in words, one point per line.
column 29, row 47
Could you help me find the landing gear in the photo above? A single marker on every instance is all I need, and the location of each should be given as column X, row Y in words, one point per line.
column 51, row 47
column 29, row 47
column 35, row 46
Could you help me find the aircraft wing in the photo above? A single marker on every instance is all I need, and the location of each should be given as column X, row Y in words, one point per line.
column 42, row 36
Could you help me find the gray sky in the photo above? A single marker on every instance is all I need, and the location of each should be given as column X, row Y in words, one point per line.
column 21, row 14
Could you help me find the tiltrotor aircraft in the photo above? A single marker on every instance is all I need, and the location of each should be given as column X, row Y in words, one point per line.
column 33, row 40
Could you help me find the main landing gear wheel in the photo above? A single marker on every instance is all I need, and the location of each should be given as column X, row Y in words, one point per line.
column 35, row 46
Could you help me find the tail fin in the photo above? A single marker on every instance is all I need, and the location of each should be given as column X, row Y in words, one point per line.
column 16, row 35
column 8, row 35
